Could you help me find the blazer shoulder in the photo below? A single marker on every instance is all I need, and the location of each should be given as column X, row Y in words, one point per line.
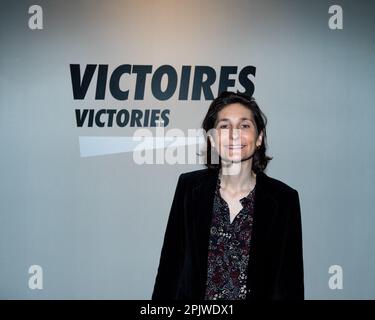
column 196, row 176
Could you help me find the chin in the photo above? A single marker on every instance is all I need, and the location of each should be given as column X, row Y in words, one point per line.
column 233, row 158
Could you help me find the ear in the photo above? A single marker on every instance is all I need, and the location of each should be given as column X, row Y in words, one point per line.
column 211, row 140
column 260, row 139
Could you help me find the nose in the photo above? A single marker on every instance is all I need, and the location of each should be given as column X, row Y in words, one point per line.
column 235, row 133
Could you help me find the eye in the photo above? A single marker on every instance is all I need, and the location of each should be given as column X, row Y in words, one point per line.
column 223, row 126
column 246, row 126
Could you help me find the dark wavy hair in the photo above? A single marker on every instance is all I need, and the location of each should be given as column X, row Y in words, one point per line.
column 260, row 159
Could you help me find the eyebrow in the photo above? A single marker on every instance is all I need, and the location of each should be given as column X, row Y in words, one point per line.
column 226, row 119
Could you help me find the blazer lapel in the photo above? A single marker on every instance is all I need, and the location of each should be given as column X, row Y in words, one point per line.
column 203, row 198
column 265, row 208
column 264, row 213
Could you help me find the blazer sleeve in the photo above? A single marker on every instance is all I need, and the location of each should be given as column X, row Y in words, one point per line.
column 293, row 267
column 172, row 252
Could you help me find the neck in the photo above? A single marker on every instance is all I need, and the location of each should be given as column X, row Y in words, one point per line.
column 237, row 176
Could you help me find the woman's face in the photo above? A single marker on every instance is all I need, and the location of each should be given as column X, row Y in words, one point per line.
column 237, row 137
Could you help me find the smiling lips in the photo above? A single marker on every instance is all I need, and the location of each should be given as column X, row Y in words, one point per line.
column 235, row 147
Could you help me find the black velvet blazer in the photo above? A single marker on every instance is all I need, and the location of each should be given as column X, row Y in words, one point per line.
column 275, row 269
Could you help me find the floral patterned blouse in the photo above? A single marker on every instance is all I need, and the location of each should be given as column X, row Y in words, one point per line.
column 228, row 252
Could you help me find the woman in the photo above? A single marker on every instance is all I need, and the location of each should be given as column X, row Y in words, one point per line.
column 233, row 232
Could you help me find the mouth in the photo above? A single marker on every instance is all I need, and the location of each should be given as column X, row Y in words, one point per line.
column 235, row 147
